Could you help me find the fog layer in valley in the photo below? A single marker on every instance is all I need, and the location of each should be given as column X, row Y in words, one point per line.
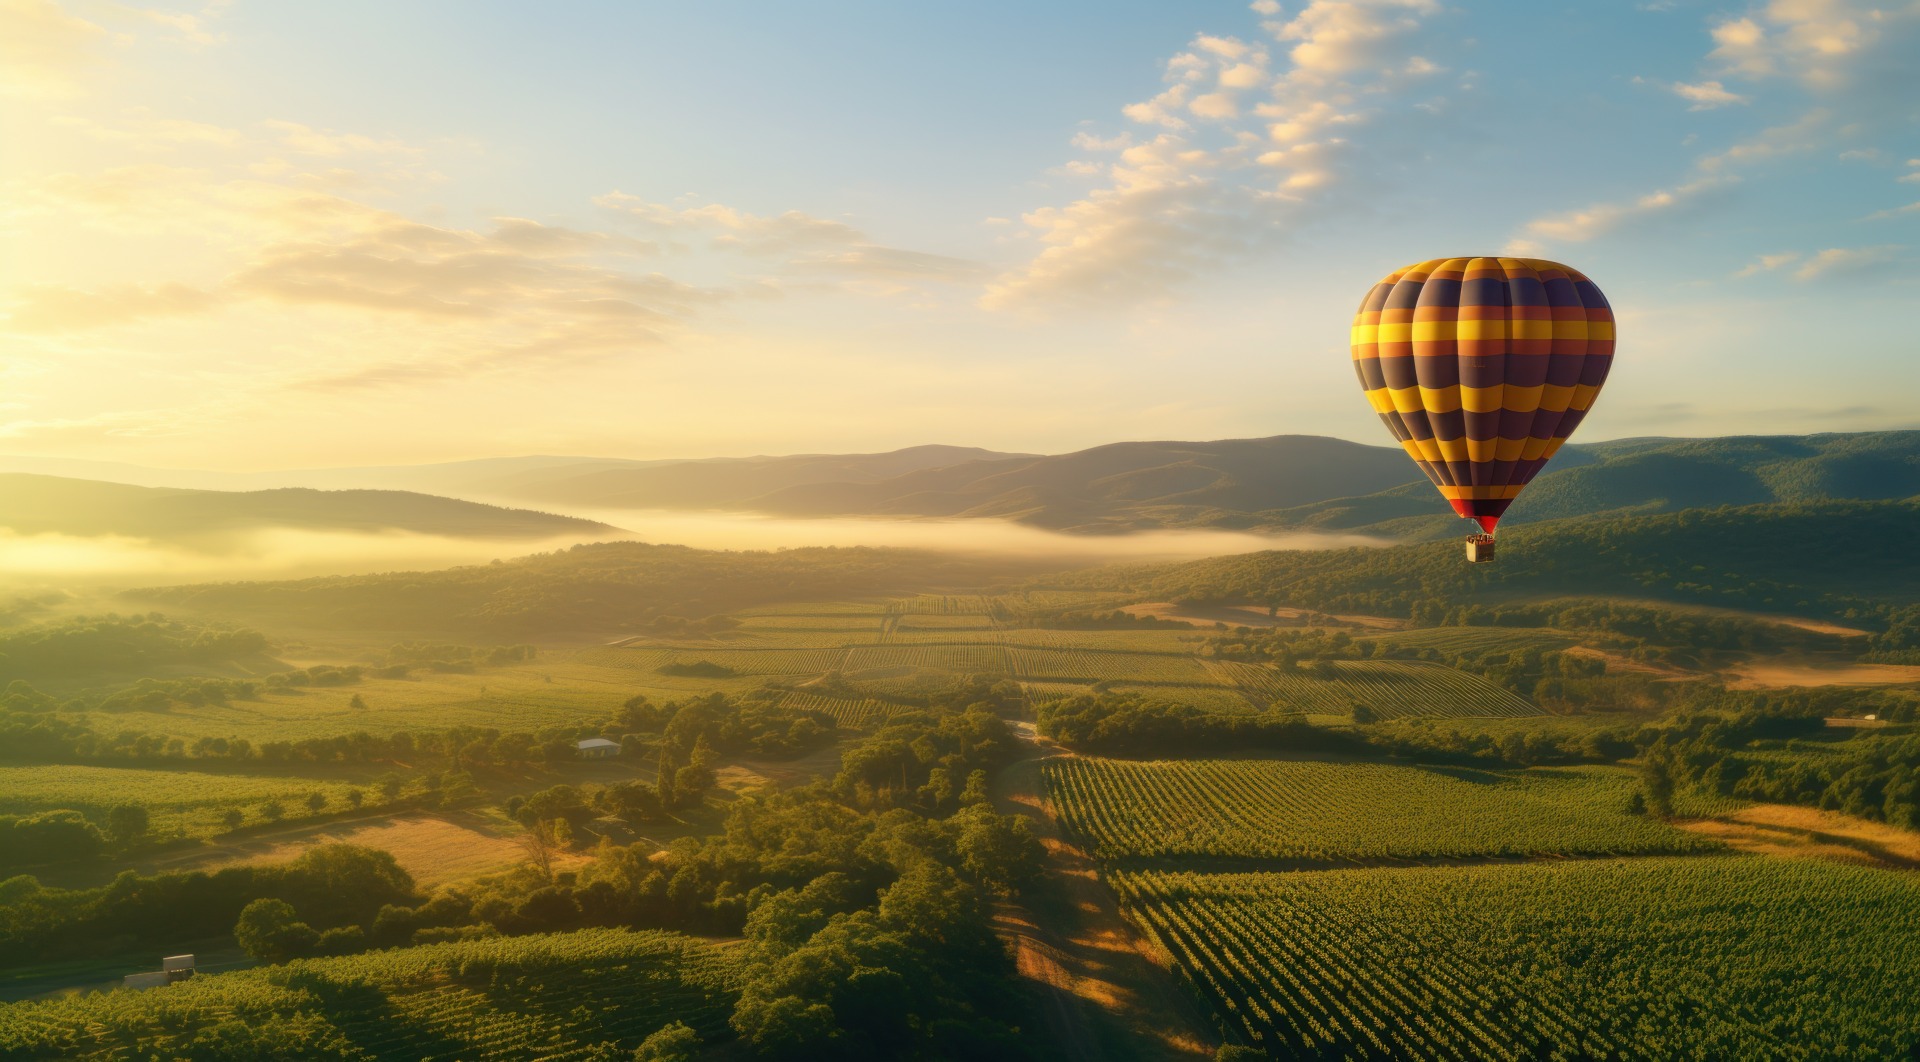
column 59, row 560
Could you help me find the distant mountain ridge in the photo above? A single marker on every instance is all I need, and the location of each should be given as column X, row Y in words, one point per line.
column 32, row 504
column 1286, row 482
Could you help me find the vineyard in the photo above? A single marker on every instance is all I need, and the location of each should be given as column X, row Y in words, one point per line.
column 1315, row 812
column 1713, row 958
column 960, row 659
column 848, row 713
column 1391, row 688
column 942, row 605
column 178, row 803
column 1093, row 666
column 575, row 996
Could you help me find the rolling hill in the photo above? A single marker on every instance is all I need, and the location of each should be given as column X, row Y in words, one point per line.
column 31, row 504
column 1282, row 483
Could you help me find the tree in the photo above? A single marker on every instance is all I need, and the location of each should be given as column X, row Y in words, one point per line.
column 316, row 801
column 232, row 819
column 270, row 931
column 357, row 702
column 670, row 1043
column 355, row 798
column 998, row 852
column 1656, row 780
column 1364, row 714
column 126, row 823
column 273, row 811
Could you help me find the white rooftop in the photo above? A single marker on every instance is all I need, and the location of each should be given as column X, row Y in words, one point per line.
column 598, row 743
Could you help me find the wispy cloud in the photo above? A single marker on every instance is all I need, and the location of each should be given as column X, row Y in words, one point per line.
column 1845, row 261
column 1579, row 226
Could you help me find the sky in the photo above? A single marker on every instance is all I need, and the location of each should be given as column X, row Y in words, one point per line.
column 250, row 236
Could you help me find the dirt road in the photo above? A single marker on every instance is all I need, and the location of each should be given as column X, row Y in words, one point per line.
column 1102, row 992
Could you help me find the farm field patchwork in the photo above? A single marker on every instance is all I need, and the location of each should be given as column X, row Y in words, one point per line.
column 590, row 994
column 1317, row 812
column 1716, row 957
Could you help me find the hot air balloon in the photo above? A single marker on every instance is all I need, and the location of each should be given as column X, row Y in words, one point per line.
column 1481, row 368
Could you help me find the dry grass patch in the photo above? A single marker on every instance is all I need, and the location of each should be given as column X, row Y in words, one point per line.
column 1768, row 675
column 1787, row 831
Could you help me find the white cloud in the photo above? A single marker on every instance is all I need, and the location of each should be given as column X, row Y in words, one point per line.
column 1226, row 172
column 1707, row 95
column 1913, row 174
column 1845, row 261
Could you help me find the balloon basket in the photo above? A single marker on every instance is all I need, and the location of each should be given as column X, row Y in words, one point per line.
column 1479, row 549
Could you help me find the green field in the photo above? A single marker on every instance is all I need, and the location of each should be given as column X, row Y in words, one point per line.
column 1392, row 688
column 1317, row 812
column 179, row 803
column 1710, row 958
column 583, row 995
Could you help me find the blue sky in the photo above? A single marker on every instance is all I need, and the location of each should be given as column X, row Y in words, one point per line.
column 250, row 235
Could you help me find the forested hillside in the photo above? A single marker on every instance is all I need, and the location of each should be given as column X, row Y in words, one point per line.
column 1828, row 558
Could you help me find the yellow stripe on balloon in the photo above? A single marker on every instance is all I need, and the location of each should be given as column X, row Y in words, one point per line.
column 1508, row 449
column 1479, row 450
column 1583, row 395
column 1382, row 401
column 1453, row 449
column 1482, row 399
column 1440, row 399
column 1554, row 397
column 1571, row 330
column 1489, row 329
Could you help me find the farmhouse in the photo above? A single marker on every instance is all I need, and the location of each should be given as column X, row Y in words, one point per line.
column 597, row 749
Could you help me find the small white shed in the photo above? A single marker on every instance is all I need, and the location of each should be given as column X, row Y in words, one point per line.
column 597, row 749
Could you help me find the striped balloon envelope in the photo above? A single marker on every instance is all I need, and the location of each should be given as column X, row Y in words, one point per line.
column 1481, row 368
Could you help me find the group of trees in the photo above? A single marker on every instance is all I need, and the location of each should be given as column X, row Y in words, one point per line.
column 330, row 887
column 87, row 645
column 1130, row 723
column 1744, row 744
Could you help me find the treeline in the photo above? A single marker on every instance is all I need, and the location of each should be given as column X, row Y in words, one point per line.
column 1129, row 723
column 1845, row 560
column 334, row 887
column 87, row 645
column 622, row 585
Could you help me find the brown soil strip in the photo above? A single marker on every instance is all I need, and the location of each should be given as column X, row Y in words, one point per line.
column 1102, row 991
column 1764, row 675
